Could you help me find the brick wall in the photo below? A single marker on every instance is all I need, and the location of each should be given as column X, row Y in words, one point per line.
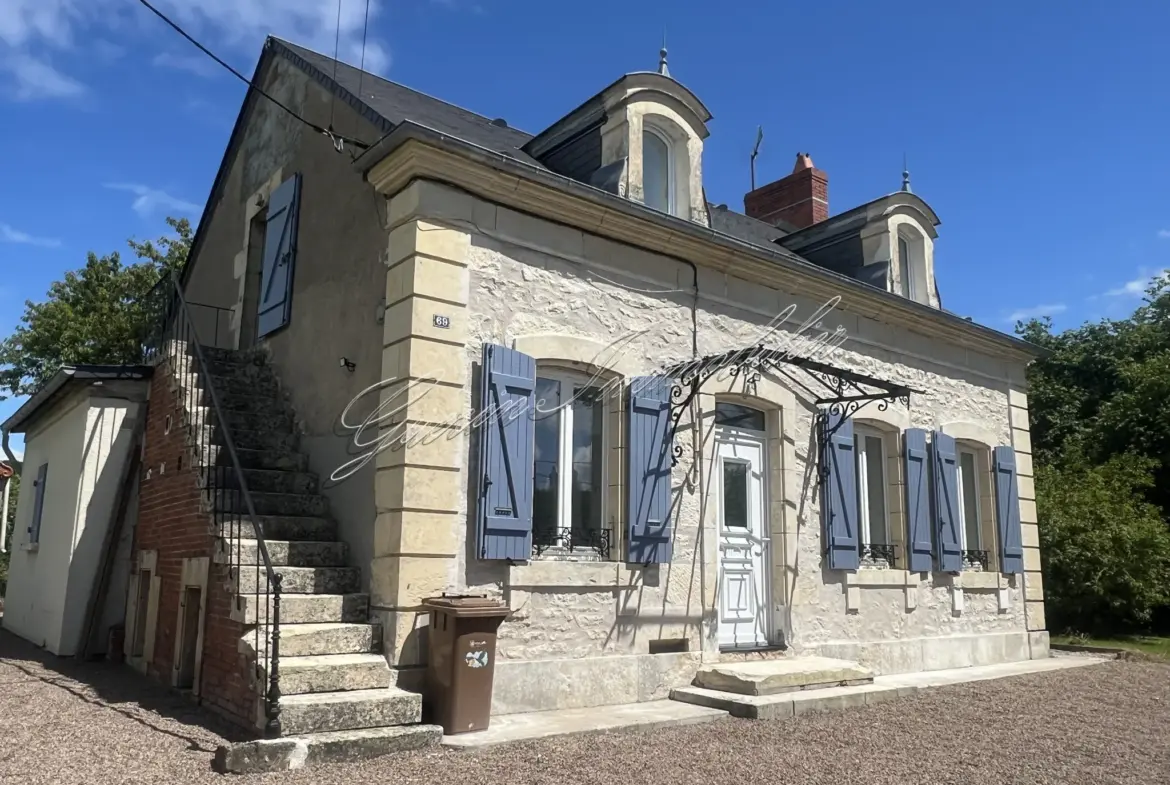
column 171, row 522
column 801, row 199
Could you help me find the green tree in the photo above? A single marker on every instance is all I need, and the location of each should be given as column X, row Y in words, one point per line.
column 1105, row 551
column 97, row 314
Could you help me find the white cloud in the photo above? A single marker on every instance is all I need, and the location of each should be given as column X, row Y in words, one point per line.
column 150, row 200
column 10, row 235
column 1136, row 287
column 31, row 31
column 1036, row 311
column 197, row 63
column 32, row 79
column 1164, row 234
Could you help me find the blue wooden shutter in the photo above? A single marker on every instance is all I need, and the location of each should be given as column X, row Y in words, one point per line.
column 1007, row 511
column 946, row 503
column 919, row 551
column 34, row 529
column 507, row 432
column 839, row 493
column 280, row 254
column 649, row 452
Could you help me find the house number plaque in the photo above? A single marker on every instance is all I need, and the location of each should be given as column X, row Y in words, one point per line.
column 440, row 321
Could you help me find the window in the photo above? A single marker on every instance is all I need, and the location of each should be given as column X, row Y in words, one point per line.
column 912, row 265
column 904, row 258
column 569, row 477
column 974, row 551
column 734, row 415
column 34, row 527
column 874, row 521
column 657, row 172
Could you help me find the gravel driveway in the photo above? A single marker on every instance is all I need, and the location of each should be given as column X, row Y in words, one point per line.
column 61, row 722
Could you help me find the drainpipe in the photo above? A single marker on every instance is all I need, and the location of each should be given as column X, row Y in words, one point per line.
column 5, row 495
column 697, row 443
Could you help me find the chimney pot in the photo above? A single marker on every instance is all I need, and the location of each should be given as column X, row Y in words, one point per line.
column 800, row 199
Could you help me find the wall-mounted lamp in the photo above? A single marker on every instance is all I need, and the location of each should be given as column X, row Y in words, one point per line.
column 347, row 364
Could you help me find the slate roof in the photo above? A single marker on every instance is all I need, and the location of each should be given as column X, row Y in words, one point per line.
column 742, row 227
column 394, row 103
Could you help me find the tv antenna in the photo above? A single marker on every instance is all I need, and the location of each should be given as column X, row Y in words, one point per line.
column 755, row 152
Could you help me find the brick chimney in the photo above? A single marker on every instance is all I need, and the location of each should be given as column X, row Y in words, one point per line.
column 801, row 198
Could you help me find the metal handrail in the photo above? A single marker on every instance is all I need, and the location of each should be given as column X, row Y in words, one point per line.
column 272, row 649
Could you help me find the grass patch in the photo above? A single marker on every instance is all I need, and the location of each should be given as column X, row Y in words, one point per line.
column 1146, row 644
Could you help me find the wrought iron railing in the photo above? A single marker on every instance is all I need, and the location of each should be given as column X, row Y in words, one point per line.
column 549, row 540
column 174, row 341
column 875, row 553
column 976, row 558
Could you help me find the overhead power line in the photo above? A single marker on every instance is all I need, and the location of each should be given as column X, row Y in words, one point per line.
column 337, row 139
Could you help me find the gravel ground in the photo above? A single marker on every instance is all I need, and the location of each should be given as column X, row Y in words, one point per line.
column 61, row 722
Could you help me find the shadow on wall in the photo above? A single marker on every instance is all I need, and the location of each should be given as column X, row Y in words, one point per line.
column 98, row 515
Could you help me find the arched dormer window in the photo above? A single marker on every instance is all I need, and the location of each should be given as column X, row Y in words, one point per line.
column 657, row 171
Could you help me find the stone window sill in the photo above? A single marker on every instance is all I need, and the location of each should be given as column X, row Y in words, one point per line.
column 581, row 575
column 880, row 576
column 30, row 547
column 978, row 580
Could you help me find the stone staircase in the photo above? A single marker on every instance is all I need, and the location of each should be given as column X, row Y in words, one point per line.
column 337, row 701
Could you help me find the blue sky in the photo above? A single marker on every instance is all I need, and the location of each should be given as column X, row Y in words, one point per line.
column 1036, row 130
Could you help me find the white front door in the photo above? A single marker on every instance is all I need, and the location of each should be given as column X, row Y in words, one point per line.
column 741, row 481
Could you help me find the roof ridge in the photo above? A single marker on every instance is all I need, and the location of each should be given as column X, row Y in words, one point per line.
column 294, row 47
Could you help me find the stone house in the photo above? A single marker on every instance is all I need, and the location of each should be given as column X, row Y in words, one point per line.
column 454, row 357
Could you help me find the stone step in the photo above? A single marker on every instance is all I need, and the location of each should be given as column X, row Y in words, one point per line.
column 303, row 553
column 788, row 704
column 261, row 397
column 279, row 460
column 282, row 527
column 307, row 640
column 236, row 365
column 250, row 439
column 265, row 755
column 220, row 353
column 305, row 608
column 771, row 677
column 297, row 504
column 332, row 673
column 302, row 580
column 264, row 480
column 230, row 385
column 322, row 712
column 270, row 418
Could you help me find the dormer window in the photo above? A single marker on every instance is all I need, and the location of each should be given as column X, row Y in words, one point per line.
column 657, row 172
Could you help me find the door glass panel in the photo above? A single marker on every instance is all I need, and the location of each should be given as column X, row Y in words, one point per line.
column 969, row 482
column 875, row 490
column 735, row 416
column 546, row 478
column 735, row 495
column 587, row 480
